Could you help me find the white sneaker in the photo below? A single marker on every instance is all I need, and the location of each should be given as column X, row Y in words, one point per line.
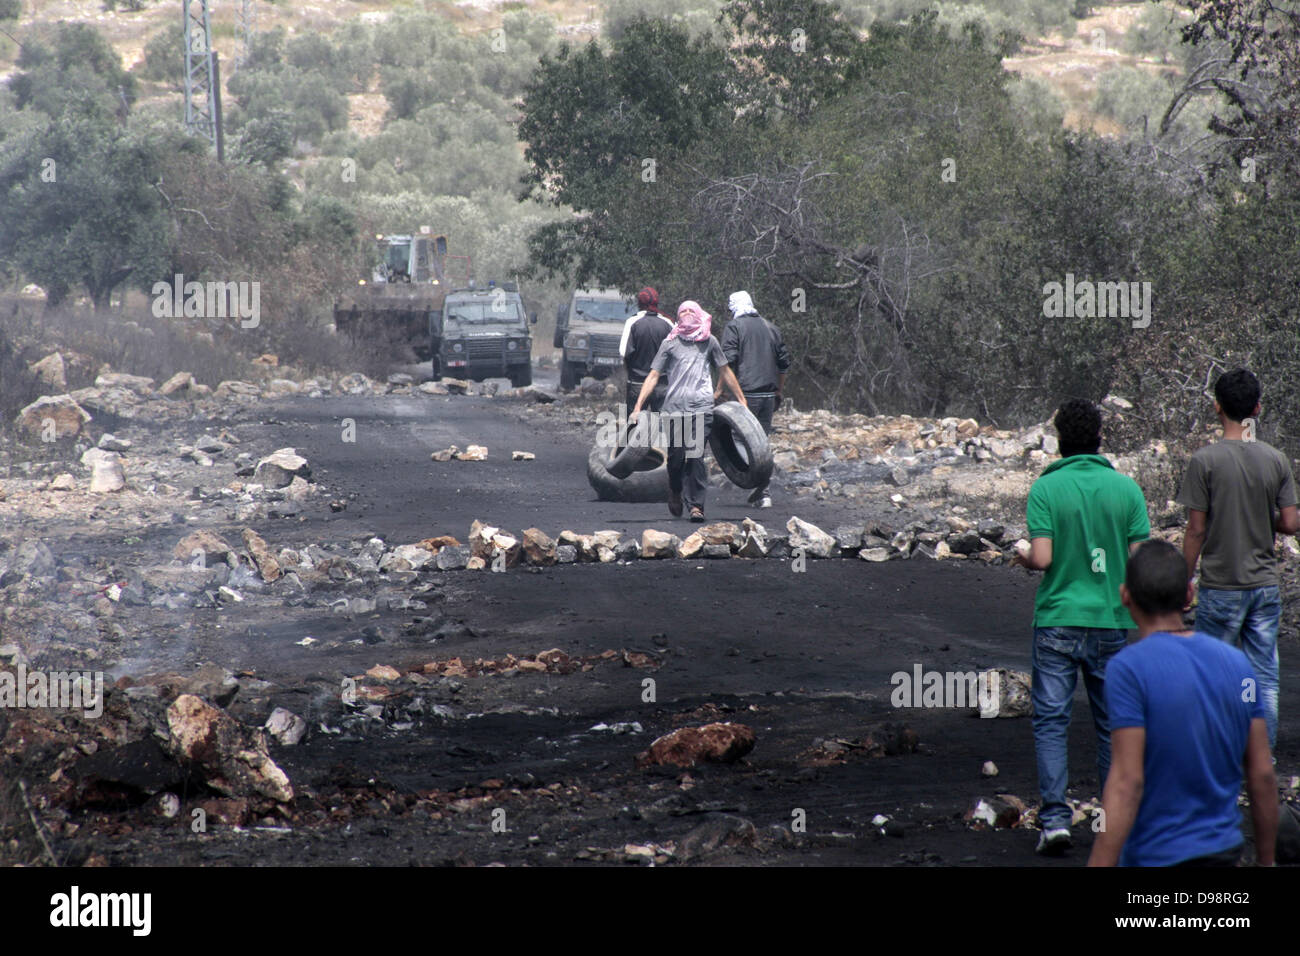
column 1054, row 842
column 765, row 502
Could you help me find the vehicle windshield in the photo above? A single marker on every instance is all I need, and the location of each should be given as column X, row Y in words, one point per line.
column 603, row 310
column 484, row 312
column 397, row 255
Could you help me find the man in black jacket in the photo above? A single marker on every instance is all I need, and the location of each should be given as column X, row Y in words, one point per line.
column 754, row 348
column 643, row 333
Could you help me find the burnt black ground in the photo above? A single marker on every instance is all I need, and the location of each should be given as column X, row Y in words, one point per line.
column 795, row 656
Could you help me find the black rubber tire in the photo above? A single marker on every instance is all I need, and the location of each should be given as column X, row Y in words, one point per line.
column 628, row 456
column 740, row 446
column 648, row 484
column 570, row 375
column 521, row 376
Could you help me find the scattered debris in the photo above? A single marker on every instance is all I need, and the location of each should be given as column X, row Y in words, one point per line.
column 1003, row 811
column 286, row 727
column 888, row 740
column 1014, row 693
column 181, row 381
column 721, row 831
column 204, row 548
column 658, row 544
column 231, row 759
column 815, row 542
column 687, row 746
column 691, row 545
column 539, row 548
column 51, row 370
column 267, row 566
column 622, row 727
column 278, row 469
column 57, row 416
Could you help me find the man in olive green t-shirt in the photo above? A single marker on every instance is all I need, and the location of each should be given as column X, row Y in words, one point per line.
column 1084, row 517
column 1239, row 492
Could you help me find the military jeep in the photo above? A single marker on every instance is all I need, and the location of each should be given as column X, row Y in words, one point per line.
column 483, row 333
column 588, row 328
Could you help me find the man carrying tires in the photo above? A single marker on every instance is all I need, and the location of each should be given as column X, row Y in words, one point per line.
column 643, row 333
column 685, row 359
column 754, row 348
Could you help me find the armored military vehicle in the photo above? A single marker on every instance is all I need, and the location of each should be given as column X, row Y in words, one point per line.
column 483, row 333
column 588, row 328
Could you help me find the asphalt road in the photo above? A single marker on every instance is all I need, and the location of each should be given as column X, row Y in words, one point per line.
column 800, row 657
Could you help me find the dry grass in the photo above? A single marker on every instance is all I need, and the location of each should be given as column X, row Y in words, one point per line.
column 23, row 840
column 134, row 342
column 1073, row 63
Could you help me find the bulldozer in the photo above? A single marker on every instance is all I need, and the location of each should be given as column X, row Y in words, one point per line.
column 394, row 309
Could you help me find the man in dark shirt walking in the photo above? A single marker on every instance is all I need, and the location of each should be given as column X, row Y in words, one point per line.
column 754, row 348
column 1239, row 492
column 643, row 333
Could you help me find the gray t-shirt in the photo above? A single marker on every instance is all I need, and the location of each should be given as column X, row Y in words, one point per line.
column 1240, row 485
column 687, row 366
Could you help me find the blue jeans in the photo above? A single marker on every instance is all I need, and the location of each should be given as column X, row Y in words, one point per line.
column 1249, row 620
column 1058, row 654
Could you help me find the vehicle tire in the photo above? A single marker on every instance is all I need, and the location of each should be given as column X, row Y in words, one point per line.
column 435, row 366
column 633, row 447
column 649, row 483
column 739, row 446
column 570, row 375
column 521, row 376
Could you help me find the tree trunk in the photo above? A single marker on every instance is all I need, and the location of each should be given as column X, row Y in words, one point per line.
column 101, row 290
column 55, row 294
column 101, row 297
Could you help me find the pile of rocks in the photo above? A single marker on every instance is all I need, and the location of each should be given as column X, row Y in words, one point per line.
column 490, row 547
column 210, row 570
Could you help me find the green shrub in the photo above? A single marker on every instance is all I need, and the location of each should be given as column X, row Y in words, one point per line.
column 1127, row 94
column 164, row 57
column 1155, row 33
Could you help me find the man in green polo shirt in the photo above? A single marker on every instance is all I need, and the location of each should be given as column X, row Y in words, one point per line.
column 1084, row 517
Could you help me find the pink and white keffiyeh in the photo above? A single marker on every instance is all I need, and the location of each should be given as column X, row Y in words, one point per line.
column 693, row 323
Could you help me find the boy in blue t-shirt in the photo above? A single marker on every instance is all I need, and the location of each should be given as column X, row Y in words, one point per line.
column 1185, row 717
